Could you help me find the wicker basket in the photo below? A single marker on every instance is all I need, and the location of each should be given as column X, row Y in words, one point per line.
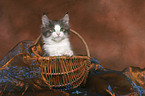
column 61, row 72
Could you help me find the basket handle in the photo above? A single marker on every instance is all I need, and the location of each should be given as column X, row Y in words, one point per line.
column 82, row 39
column 78, row 35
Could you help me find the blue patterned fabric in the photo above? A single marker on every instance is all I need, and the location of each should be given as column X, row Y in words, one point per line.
column 17, row 76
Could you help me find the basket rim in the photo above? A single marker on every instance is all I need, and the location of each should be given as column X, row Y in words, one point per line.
column 58, row 57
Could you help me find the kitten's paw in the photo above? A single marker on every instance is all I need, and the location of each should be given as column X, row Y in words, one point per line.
column 68, row 53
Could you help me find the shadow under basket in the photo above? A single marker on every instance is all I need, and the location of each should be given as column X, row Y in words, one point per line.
column 62, row 72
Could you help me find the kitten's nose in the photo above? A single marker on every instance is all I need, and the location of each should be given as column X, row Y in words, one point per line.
column 58, row 34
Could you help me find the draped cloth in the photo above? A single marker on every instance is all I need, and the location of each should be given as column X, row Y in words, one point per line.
column 18, row 78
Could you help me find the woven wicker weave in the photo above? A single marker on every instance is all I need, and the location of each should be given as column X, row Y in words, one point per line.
column 61, row 72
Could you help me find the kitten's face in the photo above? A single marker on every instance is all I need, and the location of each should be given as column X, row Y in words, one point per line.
column 55, row 30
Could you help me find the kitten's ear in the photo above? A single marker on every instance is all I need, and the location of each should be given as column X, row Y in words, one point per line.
column 65, row 19
column 45, row 20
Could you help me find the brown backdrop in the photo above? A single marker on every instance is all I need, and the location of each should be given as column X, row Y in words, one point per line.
column 113, row 29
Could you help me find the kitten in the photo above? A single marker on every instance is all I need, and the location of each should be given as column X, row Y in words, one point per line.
column 55, row 36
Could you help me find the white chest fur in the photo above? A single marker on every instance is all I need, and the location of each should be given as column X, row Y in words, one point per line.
column 58, row 48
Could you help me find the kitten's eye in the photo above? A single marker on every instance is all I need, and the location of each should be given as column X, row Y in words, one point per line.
column 52, row 30
column 47, row 33
column 62, row 29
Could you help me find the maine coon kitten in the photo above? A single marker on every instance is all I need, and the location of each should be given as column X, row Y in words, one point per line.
column 55, row 36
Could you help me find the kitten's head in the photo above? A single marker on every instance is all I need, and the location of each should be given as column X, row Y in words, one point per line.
column 55, row 30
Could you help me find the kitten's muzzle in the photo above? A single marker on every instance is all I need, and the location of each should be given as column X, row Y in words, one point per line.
column 58, row 34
